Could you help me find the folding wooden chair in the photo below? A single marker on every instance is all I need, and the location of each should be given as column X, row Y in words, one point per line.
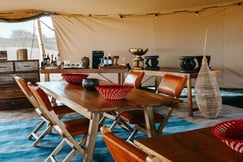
column 171, row 86
column 122, row 151
column 39, row 132
column 133, row 78
column 67, row 129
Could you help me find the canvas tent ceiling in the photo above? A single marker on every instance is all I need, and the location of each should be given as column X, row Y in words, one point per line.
column 85, row 25
column 16, row 9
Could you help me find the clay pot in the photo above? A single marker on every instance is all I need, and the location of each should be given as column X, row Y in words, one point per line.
column 199, row 61
column 85, row 62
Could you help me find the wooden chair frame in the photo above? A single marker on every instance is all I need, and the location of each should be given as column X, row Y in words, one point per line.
column 38, row 133
column 61, row 128
column 171, row 85
column 132, row 78
column 44, row 122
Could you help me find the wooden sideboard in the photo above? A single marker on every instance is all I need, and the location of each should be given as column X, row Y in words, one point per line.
column 120, row 71
column 10, row 94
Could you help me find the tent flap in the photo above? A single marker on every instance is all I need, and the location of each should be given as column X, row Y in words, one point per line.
column 18, row 16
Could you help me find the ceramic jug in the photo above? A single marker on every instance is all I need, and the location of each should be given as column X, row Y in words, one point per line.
column 85, row 62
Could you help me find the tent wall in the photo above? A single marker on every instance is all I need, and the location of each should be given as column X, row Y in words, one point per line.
column 168, row 36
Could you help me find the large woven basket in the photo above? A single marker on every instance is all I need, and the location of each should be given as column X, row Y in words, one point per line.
column 207, row 92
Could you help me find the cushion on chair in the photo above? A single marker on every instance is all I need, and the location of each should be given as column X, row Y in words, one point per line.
column 137, row 116
column 74, row 126
column 170, row 86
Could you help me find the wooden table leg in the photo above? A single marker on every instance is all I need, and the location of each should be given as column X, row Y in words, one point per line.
column 91, row 138
column 189, row 97
column 47, row 77
column 149, row 119
column 121, row 78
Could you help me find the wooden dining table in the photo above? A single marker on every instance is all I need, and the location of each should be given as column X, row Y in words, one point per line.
column 192, row 146
column 92, row 105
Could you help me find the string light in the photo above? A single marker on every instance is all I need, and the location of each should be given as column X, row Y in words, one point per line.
column 157, row 14
column 196, row 13
column 122, row 16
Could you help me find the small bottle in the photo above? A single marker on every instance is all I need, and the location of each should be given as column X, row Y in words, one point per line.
column 44, row 60
column 109, row 60
column 55, row 61
column 105, row 61
column 58, row 62
column 48, row 60
column 52, row 60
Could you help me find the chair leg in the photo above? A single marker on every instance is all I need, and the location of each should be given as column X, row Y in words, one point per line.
column 122, row 123
column 42, row 135
column 109, row 115
column 102, row 119
column 159, row 131
column 51, row 157
column 131, row 137
column 34, row 132
column 74, row 150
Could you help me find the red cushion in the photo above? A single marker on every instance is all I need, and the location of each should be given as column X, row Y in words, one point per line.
column 62, row 109
column 75, row 127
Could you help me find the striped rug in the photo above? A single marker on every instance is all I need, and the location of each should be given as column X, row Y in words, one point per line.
column 15, row 147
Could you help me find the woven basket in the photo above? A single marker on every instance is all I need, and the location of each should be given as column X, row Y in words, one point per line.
column 231, row 133
column 114, row 92
column 207, row 92
column 74, row 78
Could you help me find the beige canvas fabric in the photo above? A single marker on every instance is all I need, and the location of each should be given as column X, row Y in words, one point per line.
column 83, row 26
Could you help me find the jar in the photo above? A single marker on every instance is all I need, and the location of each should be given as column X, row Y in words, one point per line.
column 187, row 64
column 199, row 62
column 90, row 83
column 85, row 62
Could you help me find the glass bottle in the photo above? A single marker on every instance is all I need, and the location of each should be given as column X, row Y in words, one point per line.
column 105, row 61
column 109, row 60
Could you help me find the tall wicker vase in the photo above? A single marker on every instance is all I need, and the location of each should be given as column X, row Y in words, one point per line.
column 207, row 91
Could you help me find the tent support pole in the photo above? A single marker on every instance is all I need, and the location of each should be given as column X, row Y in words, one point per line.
column 40, row 39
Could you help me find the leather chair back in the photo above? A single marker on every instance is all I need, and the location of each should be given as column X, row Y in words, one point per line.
column 25, row 89
column 120, row 150
column 134, row 78
column 172, row 85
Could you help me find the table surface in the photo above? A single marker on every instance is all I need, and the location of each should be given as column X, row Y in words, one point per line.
column 192, row 146
column 91, row 104
column 81, row 99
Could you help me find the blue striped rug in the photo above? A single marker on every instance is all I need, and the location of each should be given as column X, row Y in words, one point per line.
column 15, row 147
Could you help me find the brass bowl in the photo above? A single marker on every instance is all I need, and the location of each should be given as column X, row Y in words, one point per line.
column 138, row 51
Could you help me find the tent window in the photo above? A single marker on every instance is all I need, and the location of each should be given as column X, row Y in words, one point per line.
column 14, row 36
